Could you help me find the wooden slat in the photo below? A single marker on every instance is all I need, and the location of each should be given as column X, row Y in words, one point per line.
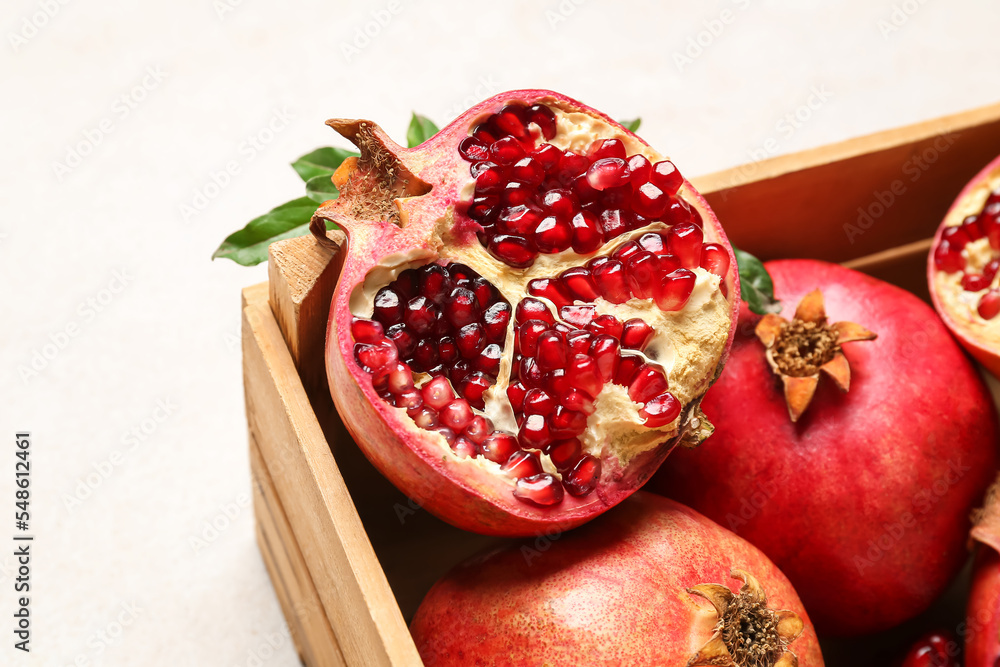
column 807, row 204
column 301, row 605
column 325, row 523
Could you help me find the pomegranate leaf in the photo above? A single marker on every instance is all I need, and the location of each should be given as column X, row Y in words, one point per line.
column 320, row 188
column 321, row 161
column 756, row 287
column 421, row 129
column 632, row 125
column 249, row 245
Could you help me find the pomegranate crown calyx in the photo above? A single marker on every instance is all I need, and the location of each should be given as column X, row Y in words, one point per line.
column 800, row 350
column 748, row 633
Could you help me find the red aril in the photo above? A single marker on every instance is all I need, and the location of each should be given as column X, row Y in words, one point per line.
column 491, row 280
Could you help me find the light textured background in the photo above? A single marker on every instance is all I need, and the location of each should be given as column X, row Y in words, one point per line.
column 169, row 335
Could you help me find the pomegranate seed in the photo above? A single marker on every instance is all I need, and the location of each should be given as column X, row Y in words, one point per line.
column 649, row 201
column 462, row 308
column 648, row 382
column 527, row 171
column 499, row 447
column 553, row 235
column 527, row 336
column 511, row 120
column 974, row 282
column 653, row 242
column 411, row 399
column 604, row 351
column 607, row 148
column 625, row 251
column 484, row 209
column 473, row 386
column 583, row 478
column 584, row 374
column 458, row 372
column 490, row 179
column 533, row 309
column 420, row 315
column 639, row 170
column 543, row 490
column 715, row 259
column 685, row 243
column 367, row 331
column 465, row 448
column 587, row 235
column 935, row 649
column 579, row 283
column 506, row 151
column 489, row 360
column 515, row 194
column 519, row 220
column 628, row 366
column 609, row 172
column 660, row 411
column 990, row 270
column 675, row 290
column 542, row 116
column 956, row 236
column 425, row 356
column 456, row 415
column 400, row 379
column 557, row 381
column 610, row 280
column 437, row 393
column 513, row 251
column 607, row 325
column 472, row 149
column 495, row 321
column 478, row 167
column 668, row 264
column 478, row 429
column 485, row 133
column 636, row 334
column 388, row 307
column 666, row 177
column 583, row 190
column 436, row 283
column 574, row 399
column 560, row 203
column 523, row 464
column 534, row 432
column 948, row 258
column 445, row 432
column 470, row 340
column 424, row 417
column 679, row 212
column 972, row 228
column 991, row 227
column 642, row 271
column 538, row 402
column 578, row 316
column 612, row 224
column 579, row 341
column 547, row 156
column 529, row 373
column 374, row 357
column 989, row 304
column 564, row 453
column 515, row 394
column 380, row 378
column 566, row 423
column 570, row 166
column 552, row 351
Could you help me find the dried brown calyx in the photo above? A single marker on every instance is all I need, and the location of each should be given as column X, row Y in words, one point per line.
column 748, row 633
column 802, row 349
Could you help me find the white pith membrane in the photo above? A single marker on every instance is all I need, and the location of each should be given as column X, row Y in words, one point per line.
column 687, row 344
column 960, row 304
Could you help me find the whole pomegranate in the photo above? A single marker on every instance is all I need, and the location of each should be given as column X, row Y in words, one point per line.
column 650, row 583
column 982, row 616
column 963, row 265
column 531, row 306
column 852, row 465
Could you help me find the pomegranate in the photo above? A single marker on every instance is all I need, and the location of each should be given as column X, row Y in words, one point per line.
column 531, row 306
column 852, row 465
column 650, row 583
column 934, row 649
column 963, row 265
column 982, row 622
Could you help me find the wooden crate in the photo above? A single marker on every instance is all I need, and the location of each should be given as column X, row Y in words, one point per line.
column 349, row 556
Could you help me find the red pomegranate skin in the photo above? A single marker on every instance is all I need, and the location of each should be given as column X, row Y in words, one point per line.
column 982, row 622
column 864, row 502
column 610, row 593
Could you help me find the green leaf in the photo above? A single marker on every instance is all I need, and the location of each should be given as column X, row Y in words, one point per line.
column 756, row 287
column 632, row 125
column 320, row 188
column 249, row 245
column 421, row 129
column 321, row 161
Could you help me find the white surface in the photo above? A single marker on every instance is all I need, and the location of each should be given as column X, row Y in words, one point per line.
column 172, row 333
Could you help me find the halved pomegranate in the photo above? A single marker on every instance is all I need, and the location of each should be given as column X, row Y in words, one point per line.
column 531, row 306
column 963, row 267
